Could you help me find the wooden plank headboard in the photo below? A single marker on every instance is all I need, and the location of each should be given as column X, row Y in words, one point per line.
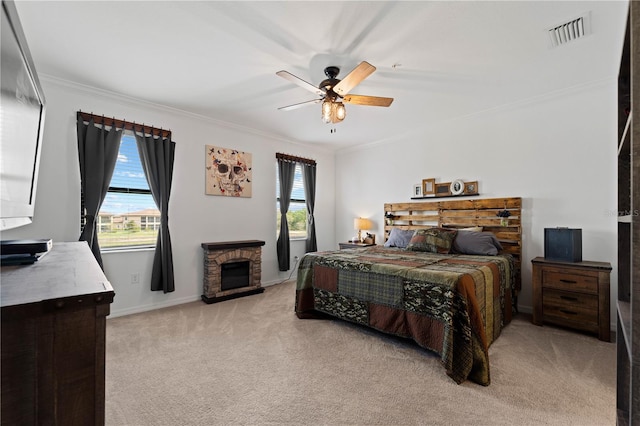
column 461, row 214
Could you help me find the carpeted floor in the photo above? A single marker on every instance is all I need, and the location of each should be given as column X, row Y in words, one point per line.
column 250, row 361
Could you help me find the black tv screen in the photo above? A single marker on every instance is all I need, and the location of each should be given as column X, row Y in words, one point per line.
column 22, row 107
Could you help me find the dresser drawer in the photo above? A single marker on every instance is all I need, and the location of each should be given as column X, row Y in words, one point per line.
column 570, row 281
column 572, row 294
column 573, row 309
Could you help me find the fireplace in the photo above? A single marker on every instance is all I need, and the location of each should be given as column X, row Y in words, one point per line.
column 231, row 269
column 234, row 275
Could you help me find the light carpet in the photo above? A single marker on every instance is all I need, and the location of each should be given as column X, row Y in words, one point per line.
column 251, row 361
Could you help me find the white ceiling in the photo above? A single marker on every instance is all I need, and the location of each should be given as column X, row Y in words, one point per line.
column 439, row 60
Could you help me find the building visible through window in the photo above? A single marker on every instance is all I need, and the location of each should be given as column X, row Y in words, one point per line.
column 128, row 216
column 297, row 214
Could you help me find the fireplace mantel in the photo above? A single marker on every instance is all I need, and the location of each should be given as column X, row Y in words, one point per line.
column 232, row 244
column 217, row 255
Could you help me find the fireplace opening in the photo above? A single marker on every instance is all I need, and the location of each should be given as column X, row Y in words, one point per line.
column 234, row 275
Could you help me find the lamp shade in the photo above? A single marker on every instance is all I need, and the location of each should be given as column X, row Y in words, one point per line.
column 361, row 223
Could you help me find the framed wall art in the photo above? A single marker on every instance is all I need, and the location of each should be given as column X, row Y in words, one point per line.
column 428, row 187
column 456, row 187
column 471, row 187
column 443, row 189
column 228, row 172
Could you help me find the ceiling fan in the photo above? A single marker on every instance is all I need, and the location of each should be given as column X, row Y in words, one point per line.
column 334, row 93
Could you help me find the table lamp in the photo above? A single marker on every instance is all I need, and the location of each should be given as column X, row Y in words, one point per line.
column 359, row 224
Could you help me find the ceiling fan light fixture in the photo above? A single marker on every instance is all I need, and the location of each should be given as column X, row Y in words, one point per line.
column 327, row 107
column 340, row 111
column 332, row 111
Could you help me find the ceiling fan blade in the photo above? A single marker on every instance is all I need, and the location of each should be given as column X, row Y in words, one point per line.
column 367, row 100
column 359, row 73
column 300, row 82
column 301, row 104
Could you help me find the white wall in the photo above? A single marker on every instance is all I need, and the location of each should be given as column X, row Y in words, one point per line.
column 557, row 152
column 194, row 217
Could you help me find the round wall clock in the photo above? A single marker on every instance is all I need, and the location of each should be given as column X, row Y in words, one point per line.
column 457, row 186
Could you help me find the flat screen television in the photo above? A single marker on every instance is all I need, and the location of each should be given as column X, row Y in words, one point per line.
column 22, row 108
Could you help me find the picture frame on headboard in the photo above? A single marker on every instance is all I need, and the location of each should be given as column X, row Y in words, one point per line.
column 443, row 189
column 456, row 187
column 471, row 187
column 428, row 187
column 417, row 190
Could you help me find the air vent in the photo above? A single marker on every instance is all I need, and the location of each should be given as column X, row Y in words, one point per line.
column 569, row 31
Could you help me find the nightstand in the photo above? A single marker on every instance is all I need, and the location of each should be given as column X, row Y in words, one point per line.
column 572, row 294
column 353, row 245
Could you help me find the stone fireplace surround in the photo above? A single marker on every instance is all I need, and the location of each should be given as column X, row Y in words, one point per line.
column 218, row 253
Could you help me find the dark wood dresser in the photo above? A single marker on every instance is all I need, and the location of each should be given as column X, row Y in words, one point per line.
column 53, row 316
column 572, row 294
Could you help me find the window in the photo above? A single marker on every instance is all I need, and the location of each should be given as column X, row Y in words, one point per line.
column 297, row 214
column 128, row 216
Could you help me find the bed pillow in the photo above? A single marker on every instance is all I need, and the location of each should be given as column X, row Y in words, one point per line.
column 471, row 242
column 432, row 240
column 399, row 238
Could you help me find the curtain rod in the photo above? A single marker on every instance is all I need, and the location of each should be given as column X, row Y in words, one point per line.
column 129, row 125
column 296, row 159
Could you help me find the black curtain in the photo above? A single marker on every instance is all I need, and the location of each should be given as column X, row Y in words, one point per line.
column 309, row 178
column 156, row 156
column 97, row 153
column 286, row 171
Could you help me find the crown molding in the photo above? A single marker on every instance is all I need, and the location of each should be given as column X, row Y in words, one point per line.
column 119, row 97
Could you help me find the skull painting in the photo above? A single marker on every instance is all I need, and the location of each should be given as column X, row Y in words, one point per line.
column 228, row 172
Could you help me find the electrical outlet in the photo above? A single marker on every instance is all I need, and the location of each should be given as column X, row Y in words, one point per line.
column 135, row 278
column 296, row 258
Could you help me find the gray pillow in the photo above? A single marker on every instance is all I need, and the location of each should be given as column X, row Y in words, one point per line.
column 399, row 238
column 471, row 242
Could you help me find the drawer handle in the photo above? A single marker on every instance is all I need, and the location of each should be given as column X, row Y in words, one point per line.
column 564, row 311
column 568, row 281
column 573, row 299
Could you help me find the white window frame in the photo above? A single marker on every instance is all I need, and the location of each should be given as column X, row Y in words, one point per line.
column 298, row 182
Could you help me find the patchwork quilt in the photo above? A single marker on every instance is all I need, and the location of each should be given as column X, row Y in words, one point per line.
column 454, row 305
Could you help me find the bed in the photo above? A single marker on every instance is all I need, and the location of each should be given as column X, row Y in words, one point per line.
column 450, row 298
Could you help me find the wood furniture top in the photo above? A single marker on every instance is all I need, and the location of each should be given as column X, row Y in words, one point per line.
column 49, row 277
column 584, row 264
column 223, row 245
